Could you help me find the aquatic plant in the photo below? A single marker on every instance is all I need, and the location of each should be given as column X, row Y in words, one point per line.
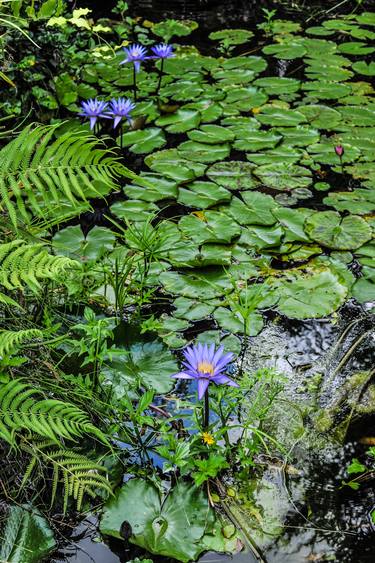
column 135, row 54
column 93, row 109
column 121, row 108
column 206, row 365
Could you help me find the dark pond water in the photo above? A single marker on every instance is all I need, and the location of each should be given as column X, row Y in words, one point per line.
column 321, row 521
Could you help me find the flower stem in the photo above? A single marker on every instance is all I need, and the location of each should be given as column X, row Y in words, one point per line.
column 342, row 165
column 135, row 82
column 160, row 77
column 206, row 414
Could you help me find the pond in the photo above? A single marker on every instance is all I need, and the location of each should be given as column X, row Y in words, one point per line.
column 187, row 282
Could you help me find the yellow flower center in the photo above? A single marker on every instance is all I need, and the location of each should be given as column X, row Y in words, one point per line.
column 206, row 368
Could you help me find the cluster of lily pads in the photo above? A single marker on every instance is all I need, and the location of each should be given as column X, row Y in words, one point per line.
column 274, row 175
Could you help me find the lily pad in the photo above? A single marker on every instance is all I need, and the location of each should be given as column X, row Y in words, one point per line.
column 275, row 116
column 203, row 194
column 234, row 175
column 170, row 163
column 320, row 116
column 257, row 140
column 341, row 233
column 284, row 176
column 144, row 141
column 355, row 48
column 133, row 210
column 172, row 526
column 236, row 324
column 231, row 36
column 144, row 364
column 26, row 536
column 313, row 296
column 197, row 285
column 275, row 86
column 255, row 208
column 286, row 50
column 211, row 134
column 202, row 152
column 212, row 226
column 71, row 242
column 181, row 121
column 326, row 90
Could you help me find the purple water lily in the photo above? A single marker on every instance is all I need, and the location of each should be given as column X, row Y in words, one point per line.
column 93, row 109
column 121, row 108
column 135, row 54
column 206, row 365
column 339, row 150
column 162, row 51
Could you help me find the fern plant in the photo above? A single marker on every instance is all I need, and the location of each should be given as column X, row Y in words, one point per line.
column 38, row 171
column 23, row 410
column 79, row 474
column 10, row 340
column 25, row 264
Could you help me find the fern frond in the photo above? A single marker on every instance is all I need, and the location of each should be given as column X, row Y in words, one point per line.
column 78, row 474
column 37, row 171
column 25, row 264
column 10, row 340
column 21, row 409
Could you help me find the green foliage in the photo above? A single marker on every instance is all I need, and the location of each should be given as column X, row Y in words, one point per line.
column 11, row 340
column 79, row 474
column 22, row 409
column 208, row 468
column 172, row 526
column 23, row 264
column 26, row 536
column 36, row 172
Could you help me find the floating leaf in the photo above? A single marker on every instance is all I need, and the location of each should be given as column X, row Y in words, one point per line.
column 203, row 195
column 286, row 50
column 275, row 116
column 171, row 527
column 278, row 85
column 133, row 210
column 181, row 121
column 144, row 364
column 201, row 152
column 71, row 242
column 231, row 36
column 213, row 227
column 314, row 296
column 255, row 208
column 196, row 285
column 144, row 141
column 284, row 176
column 234, row 175
column 342, row 233
column 211, row 134
column 26, row 536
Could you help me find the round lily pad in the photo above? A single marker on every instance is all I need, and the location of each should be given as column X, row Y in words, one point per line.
column 284, row 176
column 234, row 175
column 270, row 115
column 203, row 194
column 211, row 134
column 287, row 50
column 202, row 152
column 181, row 121
column 144, row 141
column 341, row 233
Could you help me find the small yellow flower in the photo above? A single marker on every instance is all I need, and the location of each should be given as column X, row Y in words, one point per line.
column 256, row 110
column 208, row 438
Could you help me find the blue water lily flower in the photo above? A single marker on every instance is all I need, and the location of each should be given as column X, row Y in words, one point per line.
column 206, row 365
column 135, row 54
column 93, row 109
column 162, row 51
column 120, row 108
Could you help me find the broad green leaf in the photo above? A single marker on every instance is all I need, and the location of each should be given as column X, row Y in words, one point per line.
column 286, row 50
column 26, row 536
column 71, row 242
column 211, row 134
column 234, row 175
column 211, row 227
column 197, row 285
column 284, row 176
column 147, row 365
column 181, row 121
column 172, row 526
column 202, row 152
column 134, row 210
column 255, row 208
column 341, row 233
column 144, row 141
column 203, row 195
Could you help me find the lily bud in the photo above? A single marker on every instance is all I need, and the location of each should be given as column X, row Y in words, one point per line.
column 339, row 150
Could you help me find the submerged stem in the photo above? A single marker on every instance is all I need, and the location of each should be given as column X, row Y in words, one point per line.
column 160, row 77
